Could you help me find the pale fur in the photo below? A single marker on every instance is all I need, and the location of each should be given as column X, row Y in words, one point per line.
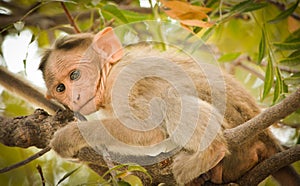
column 199, row 154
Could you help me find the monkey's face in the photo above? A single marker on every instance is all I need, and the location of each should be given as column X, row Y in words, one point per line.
column 73, row 79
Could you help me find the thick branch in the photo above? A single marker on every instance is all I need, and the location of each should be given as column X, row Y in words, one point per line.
column 33, row 130
column 160, row 172
column 37, row 130
column 26, row 90
column 242, row 133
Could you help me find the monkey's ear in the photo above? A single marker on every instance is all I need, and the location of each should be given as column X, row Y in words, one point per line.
column 106, row 41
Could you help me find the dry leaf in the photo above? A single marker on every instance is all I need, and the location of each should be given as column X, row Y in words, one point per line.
column 198, row 23
column 186, row 13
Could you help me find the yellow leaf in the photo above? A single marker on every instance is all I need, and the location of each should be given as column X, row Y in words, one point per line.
column 184, row 11
column 198, row 23
column 181, row 5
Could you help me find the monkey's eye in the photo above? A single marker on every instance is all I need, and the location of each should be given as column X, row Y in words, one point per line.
column 60, row 88
column 75, row 75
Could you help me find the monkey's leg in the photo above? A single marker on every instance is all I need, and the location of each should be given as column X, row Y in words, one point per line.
column 204, row 150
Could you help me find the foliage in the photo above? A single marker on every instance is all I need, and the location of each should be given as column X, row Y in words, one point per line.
column 257, row 41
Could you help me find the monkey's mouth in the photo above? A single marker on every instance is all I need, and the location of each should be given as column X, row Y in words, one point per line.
column 92, row 104
column 88, row 107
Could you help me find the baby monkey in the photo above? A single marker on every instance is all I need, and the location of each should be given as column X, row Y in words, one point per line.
column 82, row 72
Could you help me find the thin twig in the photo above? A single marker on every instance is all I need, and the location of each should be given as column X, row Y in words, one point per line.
column 251, row 70
column 39, row 168
column 70, row 18
column 239, row 62
column 19, row 164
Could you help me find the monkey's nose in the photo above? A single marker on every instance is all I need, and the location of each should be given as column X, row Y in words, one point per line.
column 76, row 99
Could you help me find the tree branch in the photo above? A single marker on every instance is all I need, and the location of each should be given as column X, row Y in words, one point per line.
column 70, row 18
column 33, row 130
column 37, row 130
column 242, row 133
column 269, row 166
column 32, row 94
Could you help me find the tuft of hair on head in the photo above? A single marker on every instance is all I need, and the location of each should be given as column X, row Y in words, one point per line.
column 70, row 42
column 66, row 43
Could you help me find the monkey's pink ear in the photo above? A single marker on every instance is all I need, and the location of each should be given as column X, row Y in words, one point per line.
column 107, row 44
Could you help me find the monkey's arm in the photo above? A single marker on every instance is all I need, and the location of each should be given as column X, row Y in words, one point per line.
column 25, row 89
column 202, row 145
column 116, row 137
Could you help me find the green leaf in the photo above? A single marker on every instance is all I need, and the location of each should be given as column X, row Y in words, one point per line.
column 242, row 5
column 133, row 180
column 291, row 61
column 211, row 3
column 134, row 16
column 284, row 14
column 276, row 91
column 254, row 6
column 295, row 54
column 278, row 85
column 67, row 175
column 292, row 36
column 262, row 47
column 123, row 183
column 296, row 74
column 114, row 169
column 292, row 80
column 293, row 40
column 268, row 79
column 136, row 168
column 247, row 6
column 139, row 168
column 112, row 12
column 229, row 57
column 287, row 46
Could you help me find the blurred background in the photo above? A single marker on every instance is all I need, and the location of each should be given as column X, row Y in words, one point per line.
column 258, row 42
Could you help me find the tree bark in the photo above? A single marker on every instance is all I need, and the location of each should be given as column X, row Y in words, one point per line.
column 242, row 133
column 33, row 130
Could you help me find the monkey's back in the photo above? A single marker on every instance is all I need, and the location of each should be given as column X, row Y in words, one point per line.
column 240, row 105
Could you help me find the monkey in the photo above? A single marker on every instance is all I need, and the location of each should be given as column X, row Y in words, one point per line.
column 88, row 72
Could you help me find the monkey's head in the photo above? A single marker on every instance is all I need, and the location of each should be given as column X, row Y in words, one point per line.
column 73, row 68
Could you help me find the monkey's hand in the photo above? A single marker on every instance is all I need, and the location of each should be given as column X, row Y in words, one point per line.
column 68, row 141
